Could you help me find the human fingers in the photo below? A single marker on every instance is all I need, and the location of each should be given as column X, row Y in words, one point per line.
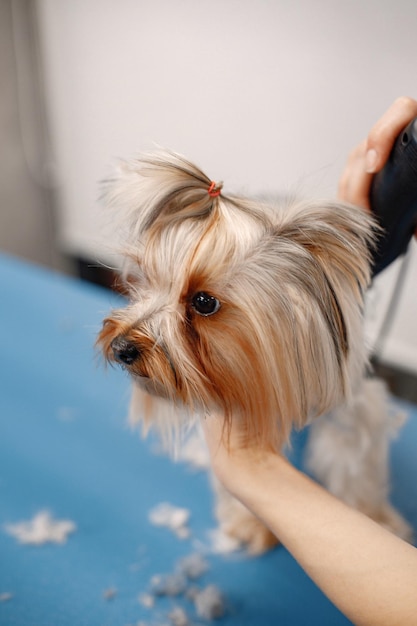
column 232, row 454
column 223, row 443
column 383, row 134
column 372, row 153
column 355, row 182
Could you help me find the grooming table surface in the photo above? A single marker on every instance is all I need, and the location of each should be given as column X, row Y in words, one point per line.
column 65, row 447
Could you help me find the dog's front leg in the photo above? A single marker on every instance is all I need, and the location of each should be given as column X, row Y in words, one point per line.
column 239, row 523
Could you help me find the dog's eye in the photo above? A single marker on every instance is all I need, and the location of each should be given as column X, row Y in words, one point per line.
column 204, row 304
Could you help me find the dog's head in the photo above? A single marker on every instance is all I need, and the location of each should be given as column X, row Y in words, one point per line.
column 236, row 306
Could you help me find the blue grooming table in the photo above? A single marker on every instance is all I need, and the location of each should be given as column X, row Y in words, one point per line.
column 65, row 447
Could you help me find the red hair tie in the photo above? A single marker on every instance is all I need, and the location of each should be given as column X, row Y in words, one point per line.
column 214, row 190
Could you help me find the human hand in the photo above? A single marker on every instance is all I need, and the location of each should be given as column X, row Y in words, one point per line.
column 372, row 153
column 234, row 459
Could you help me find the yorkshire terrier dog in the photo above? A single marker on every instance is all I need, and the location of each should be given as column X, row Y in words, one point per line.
column 254, row 312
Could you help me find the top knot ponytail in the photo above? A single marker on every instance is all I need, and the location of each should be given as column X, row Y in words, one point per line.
column 161, row 187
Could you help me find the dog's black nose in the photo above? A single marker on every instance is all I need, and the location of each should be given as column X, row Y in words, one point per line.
column 124, row 351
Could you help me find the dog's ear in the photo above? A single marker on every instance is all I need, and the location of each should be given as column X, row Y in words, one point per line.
column 159, row 188
column 314, row 265
column 341, row 238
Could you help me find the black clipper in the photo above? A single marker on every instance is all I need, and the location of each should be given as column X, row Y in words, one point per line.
column 393, row 199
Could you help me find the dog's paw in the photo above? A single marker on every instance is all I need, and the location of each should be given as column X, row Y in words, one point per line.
column 239, row 523
column 251, row 533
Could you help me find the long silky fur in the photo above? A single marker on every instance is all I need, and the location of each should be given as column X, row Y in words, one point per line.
column 286, row 344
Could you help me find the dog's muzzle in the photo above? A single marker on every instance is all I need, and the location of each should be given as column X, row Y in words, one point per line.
column 124, row 351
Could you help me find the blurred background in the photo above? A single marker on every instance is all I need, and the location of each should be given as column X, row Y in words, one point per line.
column 268, row 95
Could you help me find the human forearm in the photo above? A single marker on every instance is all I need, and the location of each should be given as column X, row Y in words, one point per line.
column 367, row 572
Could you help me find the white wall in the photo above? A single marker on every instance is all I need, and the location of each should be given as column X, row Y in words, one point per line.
column 267, row 95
